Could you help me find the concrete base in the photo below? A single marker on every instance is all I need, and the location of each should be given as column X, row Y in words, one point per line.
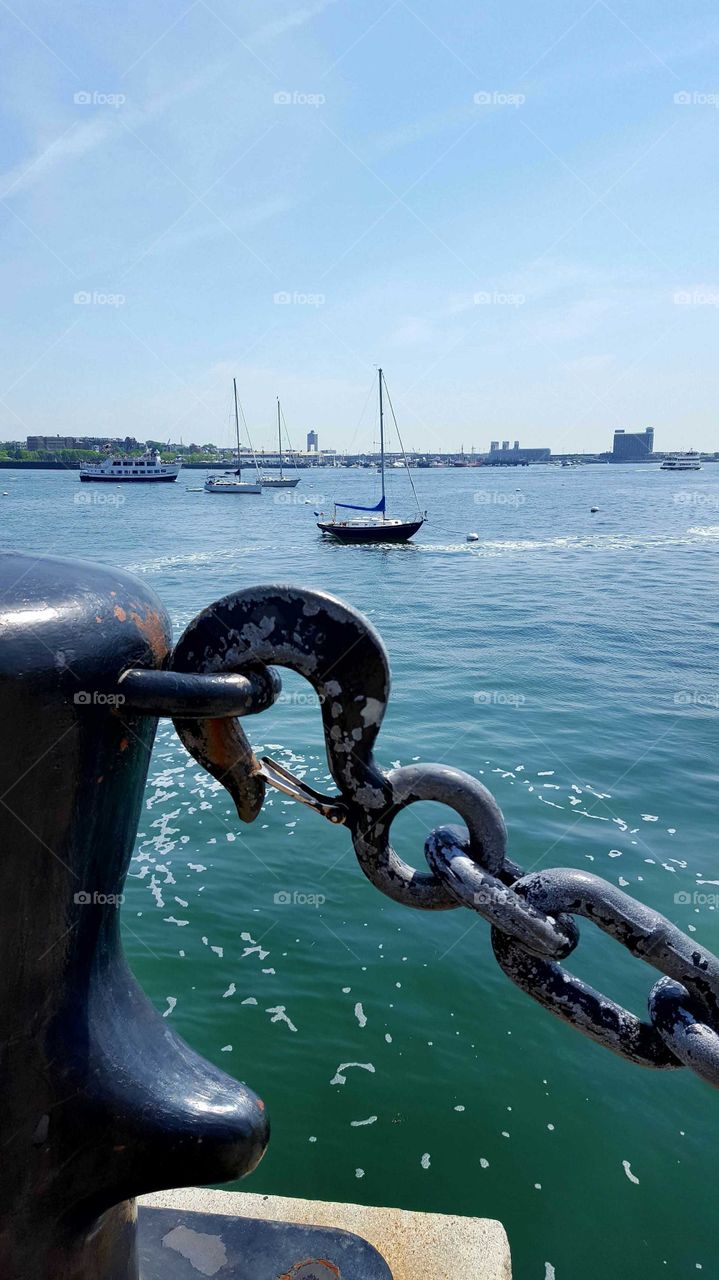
column 440, row 1246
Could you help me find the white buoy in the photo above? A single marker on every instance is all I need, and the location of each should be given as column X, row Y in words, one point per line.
column 472, row 537
column 593, row 509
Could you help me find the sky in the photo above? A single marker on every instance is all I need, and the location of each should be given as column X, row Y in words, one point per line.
column 511, row 207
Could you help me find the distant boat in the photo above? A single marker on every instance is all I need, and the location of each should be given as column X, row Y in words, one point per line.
column 232, row 483
column 281, row 481
column 376, row 525
column 682, row 462
column 149, row 467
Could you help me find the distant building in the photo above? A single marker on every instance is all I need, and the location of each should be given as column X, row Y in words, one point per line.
column 80, row 442
column 313, row 442
column 50, row 442
column 517, row 455
column 493, row 446
column 632, row 446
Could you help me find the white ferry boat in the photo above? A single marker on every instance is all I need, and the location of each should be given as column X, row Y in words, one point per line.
column 149, row 467
column 682, row 462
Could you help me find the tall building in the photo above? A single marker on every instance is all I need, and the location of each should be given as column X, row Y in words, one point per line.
column 632, row 446
column 494, row 444
column 505, row 444
column 313, row 442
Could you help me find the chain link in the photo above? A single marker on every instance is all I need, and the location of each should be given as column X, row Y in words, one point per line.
column 531, row 916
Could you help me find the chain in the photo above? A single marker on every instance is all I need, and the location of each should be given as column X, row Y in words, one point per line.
column 533, row 929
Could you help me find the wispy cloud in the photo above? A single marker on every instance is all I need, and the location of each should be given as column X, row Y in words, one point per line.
column 245, row 220
column 290, row 21
column 79, row 140
column 416, row 131
column 86, row 136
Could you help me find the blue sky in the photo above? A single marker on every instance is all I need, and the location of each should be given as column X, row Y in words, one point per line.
column 511, row 207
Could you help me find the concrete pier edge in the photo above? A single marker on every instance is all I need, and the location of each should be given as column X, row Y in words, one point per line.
column 443, row 1246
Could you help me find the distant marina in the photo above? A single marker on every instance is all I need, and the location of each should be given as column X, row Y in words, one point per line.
column 56, row 453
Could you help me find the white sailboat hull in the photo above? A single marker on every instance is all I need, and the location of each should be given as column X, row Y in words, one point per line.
column 228, row 486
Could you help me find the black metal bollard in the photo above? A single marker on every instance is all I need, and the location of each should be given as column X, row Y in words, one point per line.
column 99, row 1100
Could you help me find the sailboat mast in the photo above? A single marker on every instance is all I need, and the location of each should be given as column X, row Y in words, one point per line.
column 279, row 434
column 237, row 427
column 381, row 440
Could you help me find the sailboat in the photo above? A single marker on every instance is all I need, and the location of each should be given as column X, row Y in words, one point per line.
column 232, row 483
column 281, row 481
column 376, row 525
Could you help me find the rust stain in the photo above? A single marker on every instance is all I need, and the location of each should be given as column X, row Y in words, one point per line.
column 98, row 617
column 151, row 624
column 221, row 748
column 119, row 613
column 260, row 1104
column 296, row 1272
column 124, row 744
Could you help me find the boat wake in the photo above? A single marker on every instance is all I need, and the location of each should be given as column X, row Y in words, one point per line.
column 199, row 558
column 601, row 542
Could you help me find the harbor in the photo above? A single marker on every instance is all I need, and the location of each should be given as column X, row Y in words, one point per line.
column 287, row 961
column 359, row 498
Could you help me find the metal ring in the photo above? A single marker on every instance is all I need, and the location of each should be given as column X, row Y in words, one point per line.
column 402, row 787
column 682, row 1024
column 447, row 852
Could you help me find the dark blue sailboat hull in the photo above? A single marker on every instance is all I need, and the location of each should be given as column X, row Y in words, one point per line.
column 381, row 532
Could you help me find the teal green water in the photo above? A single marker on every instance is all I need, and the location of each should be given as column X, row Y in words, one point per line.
column 570, row 661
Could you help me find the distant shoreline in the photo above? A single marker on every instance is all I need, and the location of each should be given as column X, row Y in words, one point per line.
column 10, row 464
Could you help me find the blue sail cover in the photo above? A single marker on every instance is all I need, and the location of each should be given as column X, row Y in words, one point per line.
column 351, row 507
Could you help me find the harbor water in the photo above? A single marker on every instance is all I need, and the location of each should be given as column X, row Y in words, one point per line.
column 568, row 658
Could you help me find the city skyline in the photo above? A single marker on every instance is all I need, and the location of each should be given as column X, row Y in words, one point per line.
column 202, row 194
column 627, row 446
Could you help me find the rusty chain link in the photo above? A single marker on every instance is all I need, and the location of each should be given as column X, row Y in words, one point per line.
column 531, row 916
